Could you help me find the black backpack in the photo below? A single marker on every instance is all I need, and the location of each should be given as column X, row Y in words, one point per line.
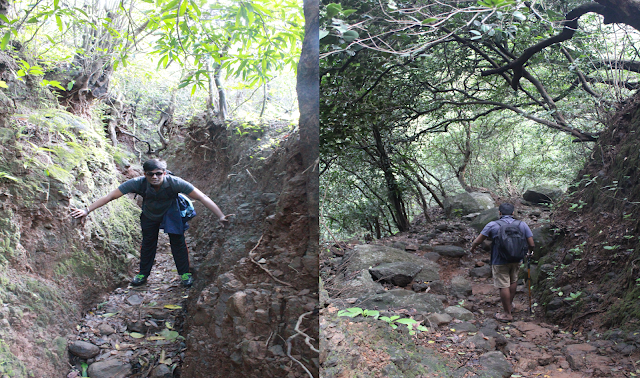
column 511, row 242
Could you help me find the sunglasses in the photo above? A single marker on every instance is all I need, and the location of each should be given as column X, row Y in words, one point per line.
column 151, row 174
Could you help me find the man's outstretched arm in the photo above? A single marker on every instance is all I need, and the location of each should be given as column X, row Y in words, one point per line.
column 477, row 242
column 209, row 204
column 80, row 213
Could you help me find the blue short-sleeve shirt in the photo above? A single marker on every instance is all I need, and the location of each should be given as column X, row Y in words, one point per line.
column 491, row 231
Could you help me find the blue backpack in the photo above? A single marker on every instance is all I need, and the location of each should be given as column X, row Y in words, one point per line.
column 511, row 242
column 185, row 205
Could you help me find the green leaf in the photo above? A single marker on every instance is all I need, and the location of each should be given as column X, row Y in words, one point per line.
column 3, row 84
column 351, row 312
column 348, row 12
column 5, row 40
column 429, row 20
column 518, row 15
column 5, row 19
column 350, row 35
column 169, row 335
column 59, row 22
column 183, row 8
column 407, row 321
column 136, row 335
column 371, row 313
column 333, row 9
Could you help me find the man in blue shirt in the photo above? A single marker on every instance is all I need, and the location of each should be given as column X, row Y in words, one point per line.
column 159, row 193
column 505, row 275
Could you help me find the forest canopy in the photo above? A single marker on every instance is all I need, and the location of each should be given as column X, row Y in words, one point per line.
column 423, row 100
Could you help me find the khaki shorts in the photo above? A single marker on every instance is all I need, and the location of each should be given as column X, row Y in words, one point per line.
column 505, row 275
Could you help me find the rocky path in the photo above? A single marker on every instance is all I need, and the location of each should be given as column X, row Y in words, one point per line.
column 136, row 331
column 453, row 296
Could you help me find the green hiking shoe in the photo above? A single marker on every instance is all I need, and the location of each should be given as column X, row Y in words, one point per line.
column 138, row 280
column 187, row 280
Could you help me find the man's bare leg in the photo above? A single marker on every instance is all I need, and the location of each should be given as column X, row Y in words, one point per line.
column 512, row 292
column 505, row 297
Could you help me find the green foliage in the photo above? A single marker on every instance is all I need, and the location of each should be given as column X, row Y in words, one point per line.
column 573, row 296
column 248, row 40
column 393, row 321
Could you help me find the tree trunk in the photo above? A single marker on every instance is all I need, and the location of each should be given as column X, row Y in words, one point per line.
column 210, row 98
column 394, row 192
column 222, row 96
column 466, row 153
column 308, row 89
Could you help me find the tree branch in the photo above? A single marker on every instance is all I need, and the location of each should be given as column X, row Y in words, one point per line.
column 570, row 26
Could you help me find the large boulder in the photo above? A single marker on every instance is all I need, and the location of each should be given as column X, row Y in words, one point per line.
column 467, row 203
column 113, row 368
column 484, row 218
column 494, row 365
column 365, row 256
column 460, row 287
column 543, row 237
column 396, row 273
column 404, row 299
column 543, row 194
column 362, row 285
column 450, row 250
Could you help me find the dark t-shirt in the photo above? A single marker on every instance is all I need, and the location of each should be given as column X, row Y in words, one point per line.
column 156, row 203
column 491, row 231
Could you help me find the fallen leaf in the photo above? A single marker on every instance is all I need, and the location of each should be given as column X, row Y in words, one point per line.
column 136, row 335
column 155, row 338
column 431, row 342
column 108, row 314
column 172, row 307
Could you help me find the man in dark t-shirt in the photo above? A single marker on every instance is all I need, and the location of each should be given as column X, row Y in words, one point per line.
column 505, row 274
column 159, row 193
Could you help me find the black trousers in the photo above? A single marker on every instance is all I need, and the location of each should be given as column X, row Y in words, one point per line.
column 150, row 230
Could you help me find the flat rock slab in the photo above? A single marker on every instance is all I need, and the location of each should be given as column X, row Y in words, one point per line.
column 109, row 369
column 399, row 298
column 84, row 349
column 533, row 331
column 450, row 250
column 459, row 313
column 396, row 273
column 134, row 300
column 483, row 289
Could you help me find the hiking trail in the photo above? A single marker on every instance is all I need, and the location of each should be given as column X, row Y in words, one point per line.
column 135, row 331
column 457, row 303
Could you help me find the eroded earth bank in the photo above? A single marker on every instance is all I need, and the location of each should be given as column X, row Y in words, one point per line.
column 65, row 301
